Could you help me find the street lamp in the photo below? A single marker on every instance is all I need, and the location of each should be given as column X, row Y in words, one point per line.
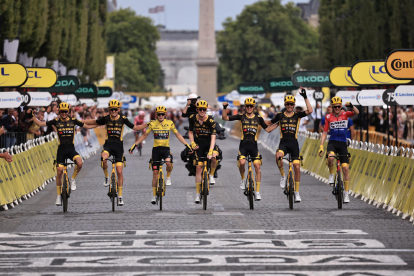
column 297, row 66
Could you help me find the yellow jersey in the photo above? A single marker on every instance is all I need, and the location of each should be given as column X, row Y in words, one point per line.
column 161, row 132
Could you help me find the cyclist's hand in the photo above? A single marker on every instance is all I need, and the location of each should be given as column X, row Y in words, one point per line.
column 320, row 152
column 190, row 150
column 302, row 92
column 210, row 154
column 225, row 105
column 194, row 146
column 131, row 150
column 349, row 104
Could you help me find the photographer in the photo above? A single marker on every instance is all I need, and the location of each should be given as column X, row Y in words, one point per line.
column 190, row 108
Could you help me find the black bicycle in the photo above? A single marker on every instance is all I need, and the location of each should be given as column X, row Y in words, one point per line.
column 338, row 187
column 113, row 186
column 66, row 189
column 250, row 189
column 290, row 181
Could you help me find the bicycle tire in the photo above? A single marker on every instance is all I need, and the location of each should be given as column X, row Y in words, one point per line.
column 339, row 192
column 160, row 190
column 113, row 191
column 65, row 193
column 251, row 189
column 205, row 191
column 291, row 190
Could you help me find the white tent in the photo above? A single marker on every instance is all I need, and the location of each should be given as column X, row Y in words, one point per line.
column 170, row 103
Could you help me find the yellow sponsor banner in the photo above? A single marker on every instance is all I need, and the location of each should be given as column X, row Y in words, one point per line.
column 12, row 75
column 340, row 76
column 372, row 72
column 40, row 78
column 400, row 64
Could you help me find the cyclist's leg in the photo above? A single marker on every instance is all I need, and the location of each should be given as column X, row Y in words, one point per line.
column 104, row 163
column 214, row 161
column 199, row 166
column 77, row 159
column 60, row 159
column 280, row 152
column 156, row 157
column 168, row 162
column 294, row 149
column 330, row 153
column 242, row 161
column 343, row 150
column 256, row 163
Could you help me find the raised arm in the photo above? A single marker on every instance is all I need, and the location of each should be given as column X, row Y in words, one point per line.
column 302, row 92
column 271, row 127
column 224, row 115
column 39, row 123
column 354, row 109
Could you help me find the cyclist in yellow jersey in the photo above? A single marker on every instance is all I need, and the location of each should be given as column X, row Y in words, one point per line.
column 114, row 144
column 161, row 128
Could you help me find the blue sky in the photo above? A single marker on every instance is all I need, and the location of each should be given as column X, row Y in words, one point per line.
column 183, row 14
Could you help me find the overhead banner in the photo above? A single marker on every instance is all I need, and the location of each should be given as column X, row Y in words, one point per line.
column 87, row 91
column 104, row 91
column 116, row 96
column 39, row 98
column 251, row 88
column 88, row 102
column 400, row 64
column 371, row 73
column 371, row 97
column 65, row 84
column 68, row 98
column 404, row 94
column 12, row 75
column 389, row 98
column 348, row 96
column 10, row 99
column 280, row 84
column 126, row 99
column 311, row 79
column 40, row 78
column 340, row 76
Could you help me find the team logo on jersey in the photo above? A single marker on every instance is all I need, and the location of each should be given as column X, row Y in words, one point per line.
column 339, row 124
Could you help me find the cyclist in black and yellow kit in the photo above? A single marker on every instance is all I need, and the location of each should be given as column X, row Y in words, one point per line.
column 289, row 126
column 161, row 128
column 250, row 123
column 65, row 127
column 114, row 145
column 202, row 133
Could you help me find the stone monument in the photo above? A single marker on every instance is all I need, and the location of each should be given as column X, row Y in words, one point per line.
column 207, row 60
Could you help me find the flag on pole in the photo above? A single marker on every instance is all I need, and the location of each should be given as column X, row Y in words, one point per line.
column 153, row 10
column 157, row 9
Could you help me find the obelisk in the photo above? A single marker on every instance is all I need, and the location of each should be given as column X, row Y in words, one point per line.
column 207, row 60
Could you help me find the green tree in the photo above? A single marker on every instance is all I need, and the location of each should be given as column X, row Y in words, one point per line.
column 51, row 47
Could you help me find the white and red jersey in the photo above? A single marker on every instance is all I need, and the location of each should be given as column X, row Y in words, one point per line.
column 337, row 127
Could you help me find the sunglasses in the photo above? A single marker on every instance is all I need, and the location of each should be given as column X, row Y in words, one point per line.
column 202, row 109
column 114, row 109
column 290, row 104
column 338, row 106
column 64, row 111
column 160, row 114
column 249, row 106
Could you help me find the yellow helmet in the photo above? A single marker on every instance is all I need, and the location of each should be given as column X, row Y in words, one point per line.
column 202, row 104
column 336, row 100
column 161, row 109
column 114, row 104
column 63, row 106
column 290, row 99
column 249, row 101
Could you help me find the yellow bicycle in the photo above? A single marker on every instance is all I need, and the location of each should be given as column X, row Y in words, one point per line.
column 65, row 194
column 113, row 186
column 251, row 184
column 161, row 182
column 290, row 180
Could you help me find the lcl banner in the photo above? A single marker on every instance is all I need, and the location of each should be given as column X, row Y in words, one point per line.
column 340, row 76
column 65, row 84
column 372, row 73
column 40, row 78
column 12, row 75
column 311, row 79
column 400, row 64
column 280, row 84
column 251, row 88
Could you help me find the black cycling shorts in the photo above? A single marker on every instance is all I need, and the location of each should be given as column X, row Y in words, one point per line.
column 248, row 148
column 66, row 152
column 204, row 148
column 114, row 149
column 289, row 146
column 339, row 148
column 158, row 154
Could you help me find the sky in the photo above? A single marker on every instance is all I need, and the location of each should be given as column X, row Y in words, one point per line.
column 183, row 14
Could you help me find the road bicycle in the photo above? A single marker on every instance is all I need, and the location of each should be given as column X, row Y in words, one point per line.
column 205, row 182
column 290, row 180
column 113, row 186
column 65, row 193
column 338, row 187
column 251, row 184
column 161, row 188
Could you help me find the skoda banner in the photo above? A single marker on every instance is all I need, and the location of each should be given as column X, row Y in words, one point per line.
column 10, row 99
column 372, row 73
column 12, row 75
column 39, row 98
column 311, row 79
column 400, row 64
column 40, row 78
column 104, row 91
column 403, row 95
column 371, row 97
column 348, row 96
column 251, row 88
column 86, row 91
column 281, row 84
column 340, row 76
column 68, row 98
column 65, row 84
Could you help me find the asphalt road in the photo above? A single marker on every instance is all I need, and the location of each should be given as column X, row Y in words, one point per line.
column 228, row 239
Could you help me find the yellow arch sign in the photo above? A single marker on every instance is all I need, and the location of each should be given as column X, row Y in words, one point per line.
column 12, row 74
column 40, row 78
column 340, row 76
column 372, row 72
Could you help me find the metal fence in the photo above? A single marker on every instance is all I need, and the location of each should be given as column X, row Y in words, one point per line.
column 10, row 139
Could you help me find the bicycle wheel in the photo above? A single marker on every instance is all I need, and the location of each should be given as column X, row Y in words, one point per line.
column 339, row 191
column 291, row 190
column 251, row 199
column 205, row 191
column 160, row 189
column 65, row 193
column 113, row 191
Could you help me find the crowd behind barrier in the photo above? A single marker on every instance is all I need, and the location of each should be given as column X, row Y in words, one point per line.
column 380, row 175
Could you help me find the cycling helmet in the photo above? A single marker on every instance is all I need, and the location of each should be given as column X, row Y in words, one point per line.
column 202, row 104
column 336, row 100
column 63, row 106
column 141, row 113
column 161, row 109
column 114, row 104
column 290, row 99
column 249, row 101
